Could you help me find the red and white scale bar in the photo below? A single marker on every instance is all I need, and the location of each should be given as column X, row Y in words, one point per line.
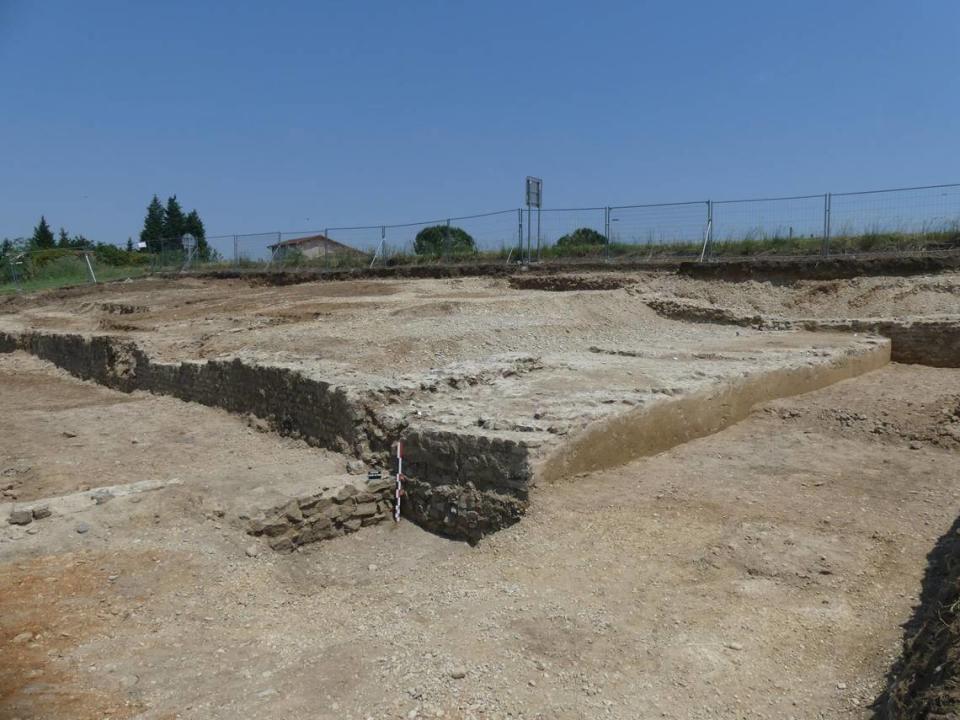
column 399, row 491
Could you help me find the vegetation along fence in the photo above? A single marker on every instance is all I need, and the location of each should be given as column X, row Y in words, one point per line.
column 914, row 219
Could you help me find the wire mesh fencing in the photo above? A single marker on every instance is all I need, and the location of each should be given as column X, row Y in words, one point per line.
column 906, row 219
column 909, row 219
column 762, row 225
column 667, row 227
column 24, row 269
column 912, row 219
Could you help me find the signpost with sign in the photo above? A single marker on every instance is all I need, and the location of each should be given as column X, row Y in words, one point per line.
column 534, row 192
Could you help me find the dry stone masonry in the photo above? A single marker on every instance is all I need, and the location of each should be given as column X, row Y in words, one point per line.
column 921, row 341
column 327, row 514
column 460, row 485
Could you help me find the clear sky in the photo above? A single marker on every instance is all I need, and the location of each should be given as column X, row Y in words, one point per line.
column 302, row 115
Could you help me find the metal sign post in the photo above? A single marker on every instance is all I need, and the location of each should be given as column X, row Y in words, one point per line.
column 534, row 193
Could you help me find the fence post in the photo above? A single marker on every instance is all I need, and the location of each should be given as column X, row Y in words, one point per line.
column 93, row 278
column 446, row 239
column 383, row 243
column 827, row 202
column 606, row 232
column 236, row 252
column 538, row 233
column 520, row 234
column 707, row 231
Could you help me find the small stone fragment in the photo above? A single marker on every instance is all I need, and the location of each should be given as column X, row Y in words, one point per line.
column 20, row 517
column 82, row 528
column 458, row 672
column 40, row 512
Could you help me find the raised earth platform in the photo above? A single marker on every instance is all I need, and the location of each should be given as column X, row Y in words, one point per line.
column 491, row 384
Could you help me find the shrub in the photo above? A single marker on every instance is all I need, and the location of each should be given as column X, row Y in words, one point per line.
column 582, row 236
column 118, row 257
column 442, row 240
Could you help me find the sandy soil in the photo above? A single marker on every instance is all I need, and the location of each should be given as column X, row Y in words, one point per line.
column 861, row 297
column 468, row 354
column 375, row 329
column 761, row 572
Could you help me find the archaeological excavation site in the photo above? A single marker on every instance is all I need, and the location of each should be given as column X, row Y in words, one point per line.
column 719, row 490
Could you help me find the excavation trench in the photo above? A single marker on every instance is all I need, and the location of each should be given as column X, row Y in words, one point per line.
column 933, row 341
column 461, row 484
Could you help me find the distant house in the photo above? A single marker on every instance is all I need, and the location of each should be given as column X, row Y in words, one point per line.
column 314, row 246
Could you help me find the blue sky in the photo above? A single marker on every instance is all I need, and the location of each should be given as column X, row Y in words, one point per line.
column 303, row 115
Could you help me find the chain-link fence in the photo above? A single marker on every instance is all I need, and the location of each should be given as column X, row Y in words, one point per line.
column 913, row 219
column 40, row 268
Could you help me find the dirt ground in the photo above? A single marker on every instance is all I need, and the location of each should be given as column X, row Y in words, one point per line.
column 465, row 354
column 762, row 572
column 374, row 329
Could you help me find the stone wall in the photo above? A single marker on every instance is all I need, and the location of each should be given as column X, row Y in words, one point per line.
column 290, row 403
column 934, row 342
column 922, row 341
column 459, row 485
column 464, row 485
column 323, row 515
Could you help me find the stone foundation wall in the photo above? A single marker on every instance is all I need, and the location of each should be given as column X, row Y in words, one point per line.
column 459, row 485
column 289, row 402
column 921, row 341
column 465, row 486
column 324, row 515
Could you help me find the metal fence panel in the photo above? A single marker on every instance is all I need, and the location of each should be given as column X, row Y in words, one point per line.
column 492, row 232
column 556, row 223
column 766, row 223
column 662, row 224
column 255, row 247
column 904, row 219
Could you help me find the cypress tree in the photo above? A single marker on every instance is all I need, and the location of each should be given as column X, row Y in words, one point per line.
column 153, row 226
column 42, row 235
column 174, row 222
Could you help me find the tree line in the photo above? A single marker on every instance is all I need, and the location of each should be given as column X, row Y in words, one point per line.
column 163, row 229
column 164, row 226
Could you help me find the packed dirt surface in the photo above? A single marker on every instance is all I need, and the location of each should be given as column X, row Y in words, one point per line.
column 860, row 297
column 385, row 328
column 466, row 355
column 762, row 572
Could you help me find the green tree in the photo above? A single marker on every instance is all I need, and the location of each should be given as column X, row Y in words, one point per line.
column 194, row 225
column 129, row 244
column 42, row 235
column 582, row 236
column 153, row 226
column 174, row 222
column 81, row 243
column 443, row 239
column 63, row 240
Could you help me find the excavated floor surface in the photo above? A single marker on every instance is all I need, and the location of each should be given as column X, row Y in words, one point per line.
column 761, row 572
column 473, row 354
